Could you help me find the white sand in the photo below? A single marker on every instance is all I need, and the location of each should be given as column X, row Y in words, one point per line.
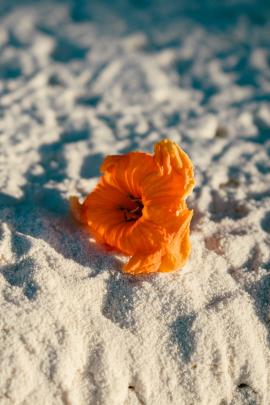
column 74, row 329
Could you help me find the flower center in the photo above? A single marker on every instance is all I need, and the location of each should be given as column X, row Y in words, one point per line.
column 134, row 213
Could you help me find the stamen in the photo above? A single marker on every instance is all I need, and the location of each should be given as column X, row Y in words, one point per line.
column 135, row 210
column 135, row 213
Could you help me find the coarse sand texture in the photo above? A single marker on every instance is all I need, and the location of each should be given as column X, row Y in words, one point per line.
column 80, row 80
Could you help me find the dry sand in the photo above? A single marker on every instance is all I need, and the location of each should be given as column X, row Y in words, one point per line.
column 79, row 81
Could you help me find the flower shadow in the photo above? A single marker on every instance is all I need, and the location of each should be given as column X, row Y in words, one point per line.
column 183, row 335
column 122, row 291
column 53, row 224
column 42, row 212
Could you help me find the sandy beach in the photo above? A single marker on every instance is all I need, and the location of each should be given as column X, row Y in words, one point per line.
column 80, row 80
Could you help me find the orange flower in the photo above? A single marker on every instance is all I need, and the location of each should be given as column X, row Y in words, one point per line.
column 138, row 208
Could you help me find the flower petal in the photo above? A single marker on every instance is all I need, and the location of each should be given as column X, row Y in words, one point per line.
column 138, row 208
column 178, row 251
column 128, row 173
column 169, row 257
column 110, row 162
column 142, row 263
column 170, row 158
column 102, row 213
column 146, row 236
column 163, row 199
column 166, row 216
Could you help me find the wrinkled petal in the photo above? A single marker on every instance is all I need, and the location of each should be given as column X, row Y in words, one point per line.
column 130, row 237
column 174, row 257
column 129, row 172
column 178, row 250
column 110, row 162
column 162, row 190
column 147, row 236
column 170, row 158
column 138, row 208
column 142, row 263
column 102, row 214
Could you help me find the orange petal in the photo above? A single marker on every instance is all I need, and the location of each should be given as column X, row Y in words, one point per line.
column 159, row 239
column 166, row 216
column 178, row 251
column 147, row 236
column 170, row 157
column 129, row 172
column 109, row 162
column 162, row 156
column 163, row 197
column 141, row 263
column 102, row 210
column 131, row 237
